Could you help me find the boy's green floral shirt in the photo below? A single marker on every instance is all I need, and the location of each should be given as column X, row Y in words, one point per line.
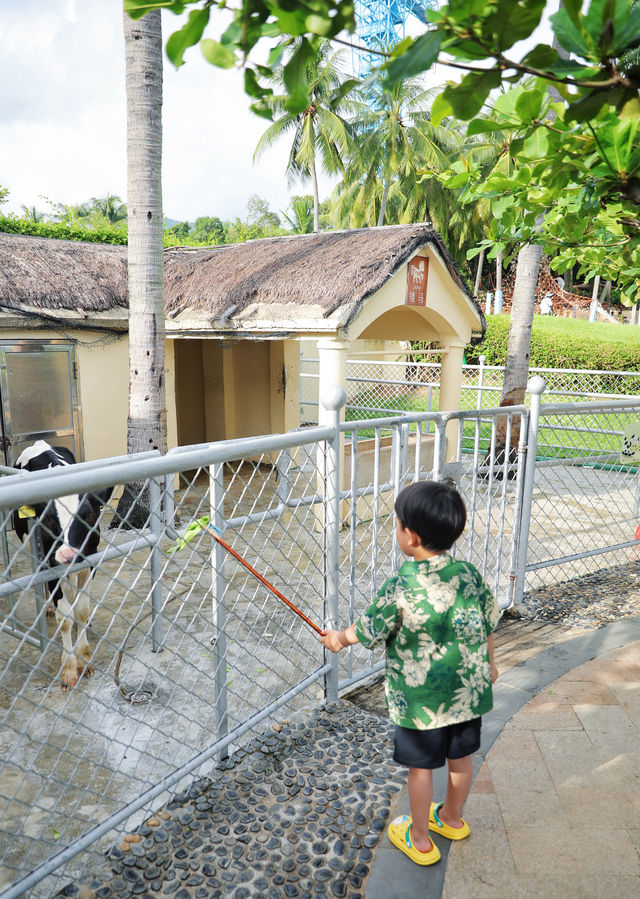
column 434, row 617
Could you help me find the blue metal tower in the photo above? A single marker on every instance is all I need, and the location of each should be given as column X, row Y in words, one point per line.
column 380, row 24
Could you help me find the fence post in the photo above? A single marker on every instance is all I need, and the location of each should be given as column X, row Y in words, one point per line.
column 155, row 504
column 535, row 388
column 333, row 399
column 482, row 361
column 439, row 449
column 218, row 600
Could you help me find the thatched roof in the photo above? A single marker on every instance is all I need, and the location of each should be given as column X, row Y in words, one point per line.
column 328, row 269
column 308, row 276
column 38, row 273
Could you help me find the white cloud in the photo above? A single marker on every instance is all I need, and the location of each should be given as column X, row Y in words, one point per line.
column 62, row 117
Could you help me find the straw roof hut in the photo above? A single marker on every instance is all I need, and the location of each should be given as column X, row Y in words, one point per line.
column 239, row 286
column 236, row 316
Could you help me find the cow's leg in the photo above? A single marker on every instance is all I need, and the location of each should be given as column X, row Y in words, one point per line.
column 81, row 614
column 64, row 617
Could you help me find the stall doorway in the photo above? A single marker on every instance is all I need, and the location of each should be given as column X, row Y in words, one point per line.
column 38, row 396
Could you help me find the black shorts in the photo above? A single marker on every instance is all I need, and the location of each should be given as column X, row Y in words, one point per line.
column 431, row 748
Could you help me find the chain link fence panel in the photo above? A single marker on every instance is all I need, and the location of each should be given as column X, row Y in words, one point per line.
column 586, row 498
column 379, row 387
column 188, row 653
column 185, row 652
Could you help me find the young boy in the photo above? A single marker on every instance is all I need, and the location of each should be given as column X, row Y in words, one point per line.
column 436, row 617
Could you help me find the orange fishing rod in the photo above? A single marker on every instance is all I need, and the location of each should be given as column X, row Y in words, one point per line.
column 213, row 531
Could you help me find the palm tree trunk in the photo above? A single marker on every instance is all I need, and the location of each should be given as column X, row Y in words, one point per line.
column 524, row 297
column 476, row 287
column 147, row 419
column 383, row 204
column 519, row 344
column 316, row 198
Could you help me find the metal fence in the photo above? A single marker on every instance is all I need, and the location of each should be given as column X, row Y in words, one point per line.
column 382, row 387
column 192, row 653
column 583, row 503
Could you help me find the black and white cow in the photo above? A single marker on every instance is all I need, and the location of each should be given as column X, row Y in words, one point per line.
column 68, row 527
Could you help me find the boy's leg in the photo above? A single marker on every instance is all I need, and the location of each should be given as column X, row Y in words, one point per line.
column 420, row 785
column 458, row 784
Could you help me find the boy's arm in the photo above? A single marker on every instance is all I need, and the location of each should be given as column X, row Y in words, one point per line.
column 492, row 662
column 337, row 640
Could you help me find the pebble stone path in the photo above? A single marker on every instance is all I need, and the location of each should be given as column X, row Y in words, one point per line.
column 593, row 600
column 296, row 813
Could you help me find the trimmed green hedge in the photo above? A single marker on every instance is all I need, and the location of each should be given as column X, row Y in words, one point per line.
column 565, row 343
column 11, row 224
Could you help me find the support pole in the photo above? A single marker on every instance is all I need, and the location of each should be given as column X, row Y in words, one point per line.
column 535, row 388
column 332, row 399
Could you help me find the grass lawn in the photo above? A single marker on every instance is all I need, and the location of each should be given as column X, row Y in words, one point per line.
column 586, row 332
column 560, row 436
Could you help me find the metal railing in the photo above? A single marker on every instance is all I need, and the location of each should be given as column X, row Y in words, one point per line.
column 381, row 387
column 191, row 653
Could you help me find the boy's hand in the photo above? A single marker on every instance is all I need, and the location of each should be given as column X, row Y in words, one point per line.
column 331, row 640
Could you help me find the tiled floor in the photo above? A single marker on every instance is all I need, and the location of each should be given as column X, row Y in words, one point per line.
column 555, row 808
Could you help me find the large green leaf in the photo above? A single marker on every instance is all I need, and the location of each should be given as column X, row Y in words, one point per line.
column 483, row 126
column 440, row 109
column 590, row 104
column 513, row 21
column 217, row 54
column 569, row 34
column 187, row 36
column 529, row 104
column 536, row 145
column 627, row 35
column 419, row 57
column 296, row 77
column 467, row 98
column 138, row 8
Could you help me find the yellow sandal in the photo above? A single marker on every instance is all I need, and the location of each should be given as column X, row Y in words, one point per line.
column 399, row 835
column 438, row 826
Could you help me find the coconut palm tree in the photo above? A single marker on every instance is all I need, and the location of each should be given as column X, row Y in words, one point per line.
column 110, row 206
column 320, row 134
column 392, row 178
column 147, row 419
column 32, row 214
column 300, row 214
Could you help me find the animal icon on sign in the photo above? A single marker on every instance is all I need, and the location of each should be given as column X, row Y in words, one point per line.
column 417, row 272
column 630, row 451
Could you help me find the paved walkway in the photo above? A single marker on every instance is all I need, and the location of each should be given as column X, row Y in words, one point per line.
column 555, row 806
column 303, row 811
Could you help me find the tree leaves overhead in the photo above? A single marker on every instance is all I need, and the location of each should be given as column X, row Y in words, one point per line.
column 241, row 28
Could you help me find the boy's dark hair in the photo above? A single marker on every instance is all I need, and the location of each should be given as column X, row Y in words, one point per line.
column 434, row 511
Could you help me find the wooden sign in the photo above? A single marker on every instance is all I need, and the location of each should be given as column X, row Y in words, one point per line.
column 417, row 271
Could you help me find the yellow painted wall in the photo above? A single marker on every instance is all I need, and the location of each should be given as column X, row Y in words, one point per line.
column 103, row 387
column 226, row 390
column 189, row 392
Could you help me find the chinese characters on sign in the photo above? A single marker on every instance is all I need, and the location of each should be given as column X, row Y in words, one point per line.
column 417, row 281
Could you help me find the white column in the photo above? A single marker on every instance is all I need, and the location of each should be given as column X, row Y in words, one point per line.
column 450, row 387
column 332, row 355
